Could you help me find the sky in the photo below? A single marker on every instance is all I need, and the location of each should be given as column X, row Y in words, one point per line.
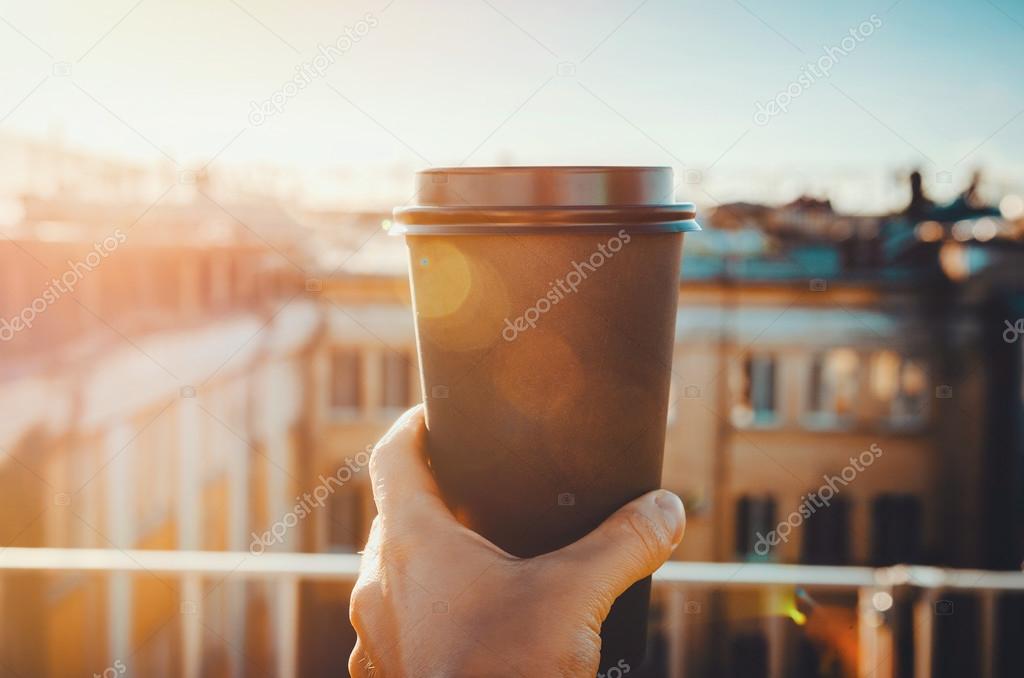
column 418, row 83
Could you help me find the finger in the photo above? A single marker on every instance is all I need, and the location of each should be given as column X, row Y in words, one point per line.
column 630, row 545
column 402, row 482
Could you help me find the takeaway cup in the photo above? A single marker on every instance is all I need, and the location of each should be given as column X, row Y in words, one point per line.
column 545, row 310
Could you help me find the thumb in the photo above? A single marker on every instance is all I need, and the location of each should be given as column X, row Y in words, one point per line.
column 630, row 545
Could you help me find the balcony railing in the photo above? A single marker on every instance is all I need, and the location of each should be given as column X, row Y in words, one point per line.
column 675, row 581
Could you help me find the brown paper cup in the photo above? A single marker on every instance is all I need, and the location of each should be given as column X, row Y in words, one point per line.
column 545, row 321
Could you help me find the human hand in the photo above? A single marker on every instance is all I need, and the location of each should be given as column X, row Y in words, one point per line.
column 434, row 598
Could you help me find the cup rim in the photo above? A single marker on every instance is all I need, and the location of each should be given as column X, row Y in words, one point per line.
column 421, row 220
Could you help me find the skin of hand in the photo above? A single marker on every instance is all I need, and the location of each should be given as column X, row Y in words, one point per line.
column 434, row 598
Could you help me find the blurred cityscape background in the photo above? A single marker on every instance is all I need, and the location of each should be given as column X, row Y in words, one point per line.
column 196, row 356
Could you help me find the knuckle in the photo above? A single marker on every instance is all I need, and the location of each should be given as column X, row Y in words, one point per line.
column 363, row 602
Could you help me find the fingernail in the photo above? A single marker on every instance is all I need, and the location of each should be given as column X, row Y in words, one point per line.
column 675, row 515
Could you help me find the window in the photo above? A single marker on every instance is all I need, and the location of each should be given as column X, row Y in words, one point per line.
column 346, row 378
column 345, row 520
column 89, row 500
column 826, row 533
column 755, row 528
column 895, row 530
column 155, row 457
column 395, row 382
column 834, row 386
column 60, row 524
column 900, row 384
column 755, row 392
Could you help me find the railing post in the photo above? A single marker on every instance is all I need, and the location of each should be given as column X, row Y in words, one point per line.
column 676, row 631
column 924, row 632
column 874, row 638
column 119, row 528
column 987, row 631
column 287, row 626
column 236, row 607
column 776, row 632
column 191, row 626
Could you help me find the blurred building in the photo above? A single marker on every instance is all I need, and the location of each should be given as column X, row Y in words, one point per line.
column 155, row 383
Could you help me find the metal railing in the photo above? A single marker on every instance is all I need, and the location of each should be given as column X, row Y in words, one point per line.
column 675, row 580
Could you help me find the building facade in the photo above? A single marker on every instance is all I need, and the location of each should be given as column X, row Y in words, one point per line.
column 215, row 397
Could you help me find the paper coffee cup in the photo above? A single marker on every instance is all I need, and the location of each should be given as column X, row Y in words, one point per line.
column 545, row 307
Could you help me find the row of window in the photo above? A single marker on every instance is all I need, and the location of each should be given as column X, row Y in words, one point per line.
column 838, row 384
column 146, row 289
column 139, row 463
column 393, row 389
column 824, row 530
